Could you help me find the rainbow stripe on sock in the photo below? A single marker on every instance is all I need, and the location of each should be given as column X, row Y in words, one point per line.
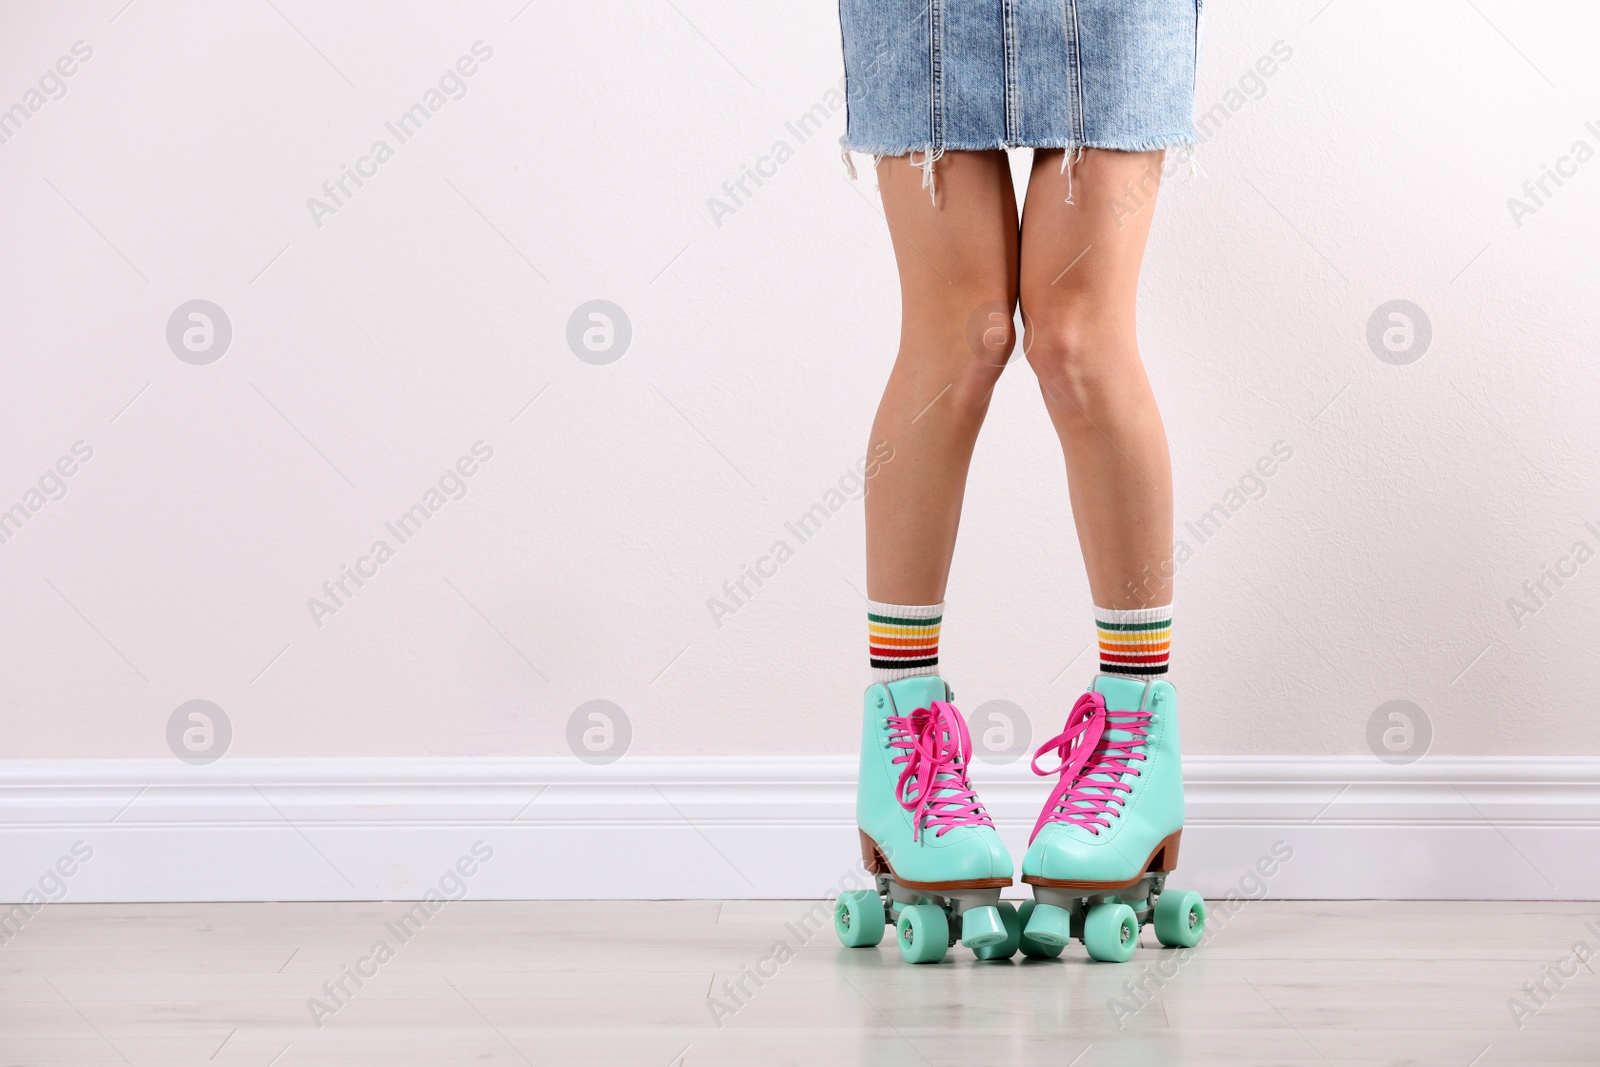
column 1135, row 642
column 904, row 638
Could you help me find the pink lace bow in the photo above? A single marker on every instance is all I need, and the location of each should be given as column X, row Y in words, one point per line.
column 1088, row 790
column 933, row 776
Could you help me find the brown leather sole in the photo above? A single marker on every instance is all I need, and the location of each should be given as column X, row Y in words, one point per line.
column 1163, row 859
column 874, row 861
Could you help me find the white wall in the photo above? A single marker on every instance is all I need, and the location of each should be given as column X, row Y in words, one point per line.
column 370, row 352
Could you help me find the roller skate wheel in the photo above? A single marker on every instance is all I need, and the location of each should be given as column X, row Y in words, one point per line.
column 923, row 933
column 1110, row 932
column 982, row 927
column 1034, row 950
column 858, row 918
column 1180, row 918
column 1048, row 925
column 1013, row 939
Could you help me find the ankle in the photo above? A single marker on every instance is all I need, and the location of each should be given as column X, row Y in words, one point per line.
column 903, row 640
column 1134, row 643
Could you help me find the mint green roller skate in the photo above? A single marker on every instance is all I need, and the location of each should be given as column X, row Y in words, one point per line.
column 1108, row 836
column 926, row 839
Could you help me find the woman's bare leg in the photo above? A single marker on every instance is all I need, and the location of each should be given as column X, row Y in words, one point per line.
column 957, row 258
column 1078, row 286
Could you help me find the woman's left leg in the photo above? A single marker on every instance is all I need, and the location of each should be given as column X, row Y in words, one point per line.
column 1113, row 822
column 1078, row 287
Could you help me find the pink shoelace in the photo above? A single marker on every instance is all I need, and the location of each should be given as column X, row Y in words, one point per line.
column 935, row 748
column 1088, row 791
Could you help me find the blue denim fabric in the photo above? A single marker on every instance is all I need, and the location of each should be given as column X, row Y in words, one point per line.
column 930, row 75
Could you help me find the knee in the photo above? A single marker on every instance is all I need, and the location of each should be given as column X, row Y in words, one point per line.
column 973, row 348
column 972, row 385
column 988, row 344
column 991, row 333
column 1085, row 363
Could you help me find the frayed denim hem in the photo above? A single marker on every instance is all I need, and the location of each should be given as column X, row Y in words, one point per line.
column 1074, row 152
column 1138, row 144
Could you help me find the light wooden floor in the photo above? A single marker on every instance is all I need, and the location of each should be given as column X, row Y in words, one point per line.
column 628, row 983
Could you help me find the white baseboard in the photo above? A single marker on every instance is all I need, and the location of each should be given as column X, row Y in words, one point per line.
column 364, row 829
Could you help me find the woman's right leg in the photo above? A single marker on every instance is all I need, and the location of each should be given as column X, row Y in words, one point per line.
column 957, row 257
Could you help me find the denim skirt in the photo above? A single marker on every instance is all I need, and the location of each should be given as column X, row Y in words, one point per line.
column 926, row 76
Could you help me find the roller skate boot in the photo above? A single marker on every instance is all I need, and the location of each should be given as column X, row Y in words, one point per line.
column 1107, row 839
column 929, row 844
